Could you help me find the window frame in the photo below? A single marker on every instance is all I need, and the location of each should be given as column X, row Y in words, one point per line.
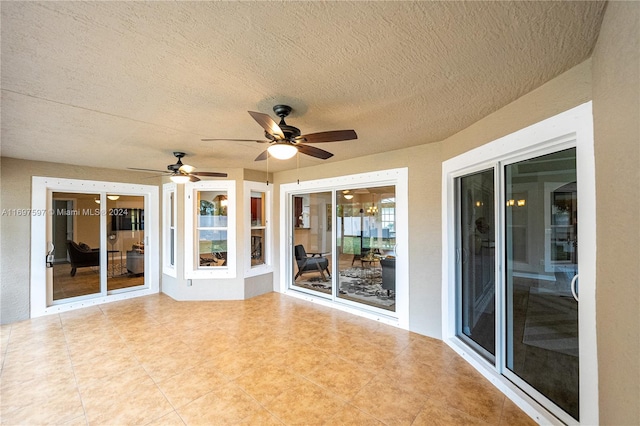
column 169, row 268
column 267, row 266
column 192, row 270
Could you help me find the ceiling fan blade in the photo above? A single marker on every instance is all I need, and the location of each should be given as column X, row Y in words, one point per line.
column 234, row 140
column 332, row 136
column 313, row 151
column 211, row 174
column 267, row 124
column 148, row 170
column 194, row 178
column 263, row 156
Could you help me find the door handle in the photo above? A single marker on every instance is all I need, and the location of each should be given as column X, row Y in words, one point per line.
column 573, row 287
column 50, row 258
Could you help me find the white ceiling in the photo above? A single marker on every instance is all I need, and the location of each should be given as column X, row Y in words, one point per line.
column 123, row 84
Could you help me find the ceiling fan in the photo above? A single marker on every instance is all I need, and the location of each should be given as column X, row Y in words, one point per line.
column 182, row 173
column 287, row 140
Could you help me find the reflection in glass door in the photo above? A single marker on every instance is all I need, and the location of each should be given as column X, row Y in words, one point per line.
column 258, row 228
column 212, row 229
column 125, row 241
column 366, row 239
column 476, row 277
column 75, row 227
column 541, row 263
column 312, row 216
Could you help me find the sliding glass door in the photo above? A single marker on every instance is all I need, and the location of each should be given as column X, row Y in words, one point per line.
column 348, row 242
column 533, row 306
column 541, row 220
column 363, row 253
column 519, row 274
column 83, row 266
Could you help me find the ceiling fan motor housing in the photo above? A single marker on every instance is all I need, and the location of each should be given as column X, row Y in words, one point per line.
column 282, row 110
column 289, row 132
column 176, row 167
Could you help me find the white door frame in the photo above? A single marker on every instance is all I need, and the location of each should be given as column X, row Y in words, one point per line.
column 41, row 213
column 571, row 128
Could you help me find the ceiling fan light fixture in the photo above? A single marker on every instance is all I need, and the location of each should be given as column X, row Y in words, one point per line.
column 282, row 151
column 185, row 168
column 180, row 178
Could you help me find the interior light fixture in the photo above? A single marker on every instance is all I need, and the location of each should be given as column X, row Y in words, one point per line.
column 97, row 200
column 113, row 197
column 282, row 151
column 179, row 178
column 373, row 209
column 348, row 196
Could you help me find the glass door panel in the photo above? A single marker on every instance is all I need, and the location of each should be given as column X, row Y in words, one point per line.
column 75, row 227
column 476, row 320
column 541, row 261
column 366, row 223
column 125, row 241
column 312, row 216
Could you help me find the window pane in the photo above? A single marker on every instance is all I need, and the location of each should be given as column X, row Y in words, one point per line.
column 76, row 238
column 172, row 241
column 312, row 241
column 212, row 209
column 125, row 238
column 257, row 246
column 212, row 247
column 366, row 239
column 171, row 208
column 476, row 286
column 257, row 209
column 541, row 260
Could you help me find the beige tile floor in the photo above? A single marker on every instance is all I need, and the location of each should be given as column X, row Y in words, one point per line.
column 272, row 359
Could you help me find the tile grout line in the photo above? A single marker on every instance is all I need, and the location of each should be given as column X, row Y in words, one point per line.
column 73, row 369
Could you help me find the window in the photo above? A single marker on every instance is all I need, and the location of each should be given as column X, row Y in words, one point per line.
column 257, row 226
column 388, row 212
column 210, row 229
column 169, row 214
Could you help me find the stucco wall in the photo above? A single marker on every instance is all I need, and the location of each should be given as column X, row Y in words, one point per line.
column 616, row 109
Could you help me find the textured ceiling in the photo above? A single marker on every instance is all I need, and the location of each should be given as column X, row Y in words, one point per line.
column 123, row 84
